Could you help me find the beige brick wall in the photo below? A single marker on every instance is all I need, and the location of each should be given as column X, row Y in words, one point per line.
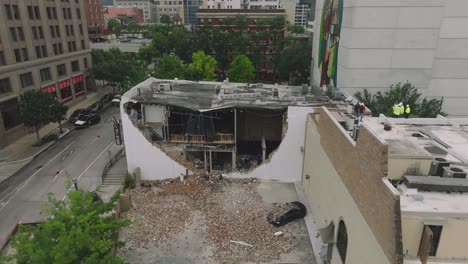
column 361, row 167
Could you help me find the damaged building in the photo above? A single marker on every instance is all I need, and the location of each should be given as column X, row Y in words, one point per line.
column 396, row 189
column 217, row 127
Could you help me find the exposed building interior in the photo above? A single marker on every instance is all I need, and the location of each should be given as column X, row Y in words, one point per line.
column 217, row 127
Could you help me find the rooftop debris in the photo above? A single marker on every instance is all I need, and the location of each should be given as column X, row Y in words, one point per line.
column 237, row 228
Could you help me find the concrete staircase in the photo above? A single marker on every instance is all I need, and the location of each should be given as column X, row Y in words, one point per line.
column 114, row 179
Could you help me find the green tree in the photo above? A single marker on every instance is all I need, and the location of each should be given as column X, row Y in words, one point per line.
column 294, row 63
column 81, row 231
column 161, row 42
column 58, row 113
column 117, row 67
column 148, row 53
column 203, row 67
column 133, row 27
column 166, row 19
column 114, row 26
column 381, row 103
column 168, row 67
column 35, row 109
column 241, row 70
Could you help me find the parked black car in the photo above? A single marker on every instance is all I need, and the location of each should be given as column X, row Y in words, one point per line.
column 106, row 98
column 295, row 210
column 95, row 108
column 74, row 117
column 86, row 120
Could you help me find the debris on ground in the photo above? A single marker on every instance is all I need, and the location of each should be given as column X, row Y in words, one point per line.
column 237, row 228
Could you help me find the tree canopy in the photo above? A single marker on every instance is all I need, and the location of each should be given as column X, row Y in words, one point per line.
column 58, row 113
column 114, row 26
column 169, row 67
column 118, row 68
column 381, row 103
column 81, row 231
column 166, row 19
column 241, row 70
column 35, row 109
column 203, row 67
column 294, row 63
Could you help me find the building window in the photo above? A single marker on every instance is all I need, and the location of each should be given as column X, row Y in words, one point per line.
column 16, row 13
column 69, row 13
column 17, row 53
column 83, row 44
column 72, row 30
column 60, row 48
column 5, row 86
column 38, row 52
column 54, row 12
column 41, row 33
column 30, row 12
column 2, row 58
column 49, row 13
column 8, row 12
column 85, row 62
column 75, row 66
column 13, row 35
column 57, row 31
column 37, row 13
column 26, row 79
column 52, row 31
column 24, row 52
column 78, row 13
column 20, row 33
column 74, row 45
column 61, row 70
column 81, row 29
column 44, row 50
column 45, row 75
column 64, row 10
column 67, row 29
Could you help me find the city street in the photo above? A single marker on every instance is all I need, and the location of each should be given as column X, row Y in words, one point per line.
column 22, row 196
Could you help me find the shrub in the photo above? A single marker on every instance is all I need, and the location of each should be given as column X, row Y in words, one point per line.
column 129, row 182
column 49, row 138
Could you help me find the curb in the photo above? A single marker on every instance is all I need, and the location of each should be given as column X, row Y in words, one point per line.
column 43, row 149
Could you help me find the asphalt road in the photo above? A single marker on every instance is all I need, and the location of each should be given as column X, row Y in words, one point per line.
column 23, row 195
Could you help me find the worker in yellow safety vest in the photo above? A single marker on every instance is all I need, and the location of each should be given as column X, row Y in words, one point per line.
column 407, row 111
column 401, row 109
column 396, row 111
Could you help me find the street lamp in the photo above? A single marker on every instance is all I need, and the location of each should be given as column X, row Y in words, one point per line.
column 75, row 183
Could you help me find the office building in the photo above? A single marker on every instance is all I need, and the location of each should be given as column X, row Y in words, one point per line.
column 44, row 45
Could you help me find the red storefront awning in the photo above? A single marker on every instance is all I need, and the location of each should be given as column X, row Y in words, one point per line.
column 64, row 84
column 49, row 89
column 77, row 79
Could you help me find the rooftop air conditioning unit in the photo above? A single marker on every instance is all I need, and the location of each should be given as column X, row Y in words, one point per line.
column 437, row 166
column 454, row 172
column 355, row 132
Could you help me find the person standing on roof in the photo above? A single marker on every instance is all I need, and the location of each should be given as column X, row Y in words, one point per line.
column 401, row 110
column 407, row 111
column 362, row 108
column 356, row 109
column 396, row 110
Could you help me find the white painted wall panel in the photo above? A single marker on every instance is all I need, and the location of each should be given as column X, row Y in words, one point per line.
column 452, row 48
column 450, row 68
column 427, row 17
column 393, row 3
column 449, row 88
column 366, row 58
column 412, row 58
column 370, row 17
column 416, row 38
column 454, row 27
column 456, row 8
column 154, row 113
column 367, row 38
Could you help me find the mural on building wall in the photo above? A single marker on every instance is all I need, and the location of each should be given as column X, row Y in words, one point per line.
column 330, row 28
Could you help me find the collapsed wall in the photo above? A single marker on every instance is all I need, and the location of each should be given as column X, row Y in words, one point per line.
column 153, row 163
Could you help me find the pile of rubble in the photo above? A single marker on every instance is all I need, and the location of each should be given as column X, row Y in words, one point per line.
column 235, row 215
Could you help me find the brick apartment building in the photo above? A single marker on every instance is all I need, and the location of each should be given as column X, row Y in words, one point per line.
column 94, row 16
column 44, row 45
column 124, row 14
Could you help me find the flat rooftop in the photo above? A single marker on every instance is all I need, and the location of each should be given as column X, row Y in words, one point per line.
column 441, row 137
column 208, row 96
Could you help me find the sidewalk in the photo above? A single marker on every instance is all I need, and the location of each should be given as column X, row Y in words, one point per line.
column 19, row 153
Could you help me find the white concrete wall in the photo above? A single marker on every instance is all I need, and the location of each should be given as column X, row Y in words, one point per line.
column 286, row 162
column 154, row 114
column 330, row 201
column 452, row 244
column 153, row 163
column 388, row 41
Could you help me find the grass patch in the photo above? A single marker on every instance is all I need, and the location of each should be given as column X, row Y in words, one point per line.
column 129, row 182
